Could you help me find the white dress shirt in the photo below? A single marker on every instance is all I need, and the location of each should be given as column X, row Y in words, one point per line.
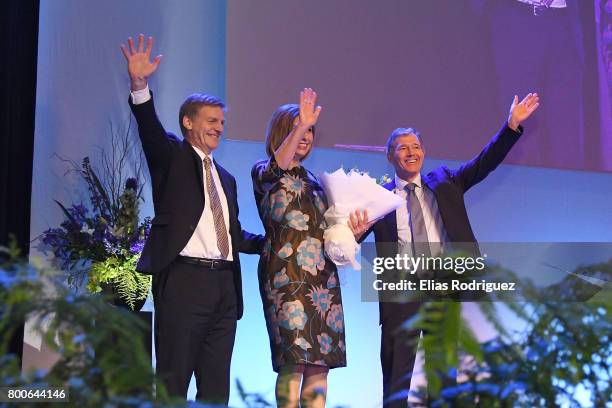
column 431, row 215
column 141, row 96
column 203, row 242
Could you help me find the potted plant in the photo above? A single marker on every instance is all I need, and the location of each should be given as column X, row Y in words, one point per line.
column 103, row 242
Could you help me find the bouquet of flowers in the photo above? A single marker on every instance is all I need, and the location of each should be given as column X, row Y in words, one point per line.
column 347, row 193
column 103, row 242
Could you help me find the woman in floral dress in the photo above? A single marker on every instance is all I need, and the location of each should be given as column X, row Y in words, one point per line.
column 298, row 284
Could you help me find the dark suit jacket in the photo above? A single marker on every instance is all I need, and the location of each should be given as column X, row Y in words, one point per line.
column 448, row 186
column 178, row 198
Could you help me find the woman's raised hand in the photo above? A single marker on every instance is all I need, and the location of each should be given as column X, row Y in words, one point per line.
column 309, row 111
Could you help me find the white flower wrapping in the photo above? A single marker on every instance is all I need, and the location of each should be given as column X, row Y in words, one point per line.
column 345, row 194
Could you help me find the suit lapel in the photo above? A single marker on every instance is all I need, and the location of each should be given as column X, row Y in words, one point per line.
column 428, row 179
column 428, row 182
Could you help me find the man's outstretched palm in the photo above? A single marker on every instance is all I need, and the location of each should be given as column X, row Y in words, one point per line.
column 519, row 111
column 140, row 66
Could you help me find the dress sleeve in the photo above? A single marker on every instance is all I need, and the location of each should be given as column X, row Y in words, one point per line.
column 268, row 171
column 265, row 175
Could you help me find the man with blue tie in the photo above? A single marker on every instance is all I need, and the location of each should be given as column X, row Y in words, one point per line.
column 434, row 214
column 192, row 250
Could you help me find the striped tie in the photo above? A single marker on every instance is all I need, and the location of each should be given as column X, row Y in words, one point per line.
column 418, row 230
column 215, row 206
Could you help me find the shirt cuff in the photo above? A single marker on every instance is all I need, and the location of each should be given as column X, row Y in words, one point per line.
column 141, row 96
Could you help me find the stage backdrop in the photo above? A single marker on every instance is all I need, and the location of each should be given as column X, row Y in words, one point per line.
column 83, row 88
column 448, row 68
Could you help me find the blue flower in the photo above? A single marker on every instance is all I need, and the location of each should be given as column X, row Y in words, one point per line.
column 513, row 386
column 280, row 278
column 137, row 247
column 285, row 251
column 452, row 392
column 278, row 204
column 79, row 212
column 293, row 184
column 75, row 382
column 492, row 389
column 297, row 220
column 492, row 346
column 79, row 338
column 7, row 280
column 400, row 396
column 40, row 373
column 532, row 355
column 292, row 315
column 335, row 319
column 310, row 255
column 542, row 345
column 325, row 343
column 321, row 299
column 505, row 369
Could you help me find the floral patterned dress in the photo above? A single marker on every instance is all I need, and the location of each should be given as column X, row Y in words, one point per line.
column 299, row 286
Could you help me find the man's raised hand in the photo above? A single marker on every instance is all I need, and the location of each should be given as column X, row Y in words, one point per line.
column 140, row 66
column 519, row 111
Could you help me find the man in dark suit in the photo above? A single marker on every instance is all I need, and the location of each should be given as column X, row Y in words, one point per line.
column 435, row 214
column 192, row 250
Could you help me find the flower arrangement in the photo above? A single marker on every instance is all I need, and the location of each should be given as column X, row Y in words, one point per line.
column 103, row 242
column 347, row 192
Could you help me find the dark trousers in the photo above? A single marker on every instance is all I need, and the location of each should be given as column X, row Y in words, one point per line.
column 195, row 316
column 397, row 354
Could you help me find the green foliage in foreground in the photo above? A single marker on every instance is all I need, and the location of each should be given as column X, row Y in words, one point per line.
column 103, row 360
column 564, row 350
column 562, row 357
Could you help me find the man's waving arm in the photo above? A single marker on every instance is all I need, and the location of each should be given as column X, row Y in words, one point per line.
column 155, row 141
column 491, row 156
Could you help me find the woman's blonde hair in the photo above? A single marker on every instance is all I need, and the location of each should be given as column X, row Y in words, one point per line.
column 280, row 125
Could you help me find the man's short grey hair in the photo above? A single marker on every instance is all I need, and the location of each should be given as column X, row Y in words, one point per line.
column 192, row 105
column 401, row 131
